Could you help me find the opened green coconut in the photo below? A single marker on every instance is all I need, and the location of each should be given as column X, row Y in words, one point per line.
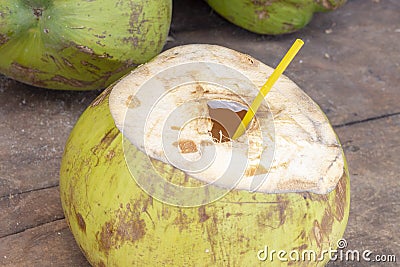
column 146, row 182
column 272, row 16
column 79, row 45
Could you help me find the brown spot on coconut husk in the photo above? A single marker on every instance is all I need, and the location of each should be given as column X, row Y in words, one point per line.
column 99, row 36
column 85, row 49
column 212, row 234
column 341, row 197
column 202, row 214
column 275, row 216
column 67, row 63
column 199, row 90
column 100, row 99
column 317, row 233
column 105, row 237
column 106, row 141
column 126, row 226
column 327, row 222
column 132, row 102
column 37, row 12
column 182, row 221
column 135, row 21
column 70, row 81
column 282, row 205
column 81, row 222
column 314, row 197
column 288, row 27
column 105, row 55
column 132, row 229
column 256, row 170
column 109, row 137
column 22, row 71
column 299, row 184
column 3, row 39
column 25, row 70
column 90, row 65
column 187, row 146
column 134, row 41
column 302, row 235
column 248, row 60
column 263, row 14
column 110, row 155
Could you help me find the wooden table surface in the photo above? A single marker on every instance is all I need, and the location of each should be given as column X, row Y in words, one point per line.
column 350, row 65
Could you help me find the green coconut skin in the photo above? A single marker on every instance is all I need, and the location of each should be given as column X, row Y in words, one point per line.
column 272, row 16
column 79, row 45
column 116, row 223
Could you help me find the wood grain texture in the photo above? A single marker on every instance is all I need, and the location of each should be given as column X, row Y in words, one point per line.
column 23, row 211
column 35, row 124
column 51, row 244
column 373, row 154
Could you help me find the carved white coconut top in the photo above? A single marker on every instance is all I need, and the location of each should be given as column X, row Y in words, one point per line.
column 162, row 109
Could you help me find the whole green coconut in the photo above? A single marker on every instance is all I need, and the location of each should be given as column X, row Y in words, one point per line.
column 272, row 16
column 128, row 203
column 79, row 45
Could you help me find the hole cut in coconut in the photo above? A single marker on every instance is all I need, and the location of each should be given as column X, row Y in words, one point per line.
column 226, row 117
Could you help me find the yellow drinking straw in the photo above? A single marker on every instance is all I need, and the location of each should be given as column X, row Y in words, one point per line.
column 267, row 87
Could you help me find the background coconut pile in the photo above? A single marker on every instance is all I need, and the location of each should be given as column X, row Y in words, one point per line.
column 350, row 66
